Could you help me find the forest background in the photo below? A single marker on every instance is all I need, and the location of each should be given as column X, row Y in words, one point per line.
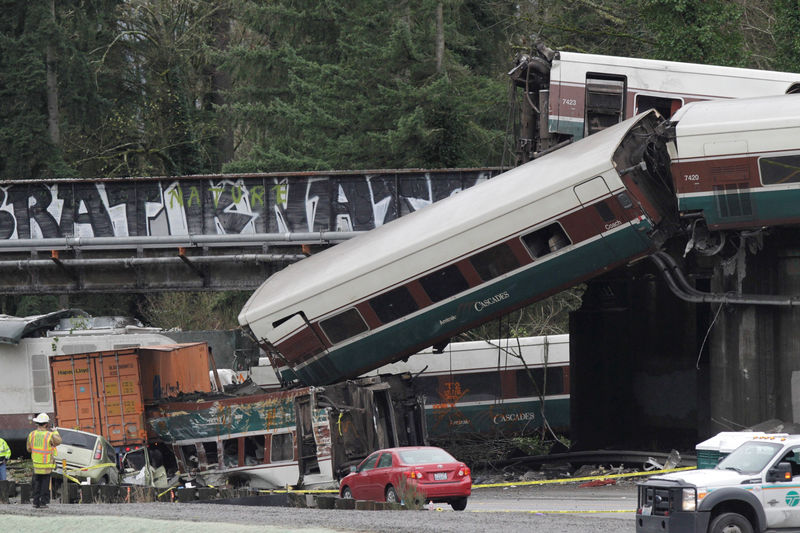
column 117, row 88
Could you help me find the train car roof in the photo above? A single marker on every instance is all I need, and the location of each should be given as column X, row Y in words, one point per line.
column 740, row 115
column 435, row 224
column 597, row 61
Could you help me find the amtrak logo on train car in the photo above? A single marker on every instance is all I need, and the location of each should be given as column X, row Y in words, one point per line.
column 483, row 304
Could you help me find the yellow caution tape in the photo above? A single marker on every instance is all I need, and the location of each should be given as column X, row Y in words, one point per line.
column 299, row 491
column 508, row 484
column 554, row 512
column 87, row 468
column 587, row 478
column 166, row 491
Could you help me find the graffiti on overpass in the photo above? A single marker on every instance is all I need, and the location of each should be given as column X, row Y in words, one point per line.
column 220, row 205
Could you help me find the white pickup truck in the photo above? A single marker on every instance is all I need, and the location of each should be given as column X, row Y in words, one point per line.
column 755, row 488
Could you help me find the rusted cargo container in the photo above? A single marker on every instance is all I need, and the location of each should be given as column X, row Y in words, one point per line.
column 172, row 369
column 106, row 392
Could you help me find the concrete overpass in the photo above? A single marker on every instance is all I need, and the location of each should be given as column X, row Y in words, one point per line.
column 205, row 232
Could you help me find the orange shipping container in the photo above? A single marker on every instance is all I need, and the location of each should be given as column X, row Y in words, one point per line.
column 174, row 369
column 101, row 393
column 106, row 392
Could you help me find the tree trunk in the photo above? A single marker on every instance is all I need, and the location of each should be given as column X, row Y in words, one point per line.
column 221, row 83
column 52, row 87
column 439, row 37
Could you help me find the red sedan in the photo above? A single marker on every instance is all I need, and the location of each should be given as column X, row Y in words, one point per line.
column 424, row 473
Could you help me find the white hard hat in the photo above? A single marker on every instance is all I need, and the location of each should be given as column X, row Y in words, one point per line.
column 42, row 418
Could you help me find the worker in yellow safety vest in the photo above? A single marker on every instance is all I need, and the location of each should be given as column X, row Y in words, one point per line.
column 42, row 446
column 5, row 455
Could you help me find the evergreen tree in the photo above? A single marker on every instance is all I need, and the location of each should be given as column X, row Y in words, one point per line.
column 696, row 31
column 26, row 151
column 787, row 35
column 364, row 93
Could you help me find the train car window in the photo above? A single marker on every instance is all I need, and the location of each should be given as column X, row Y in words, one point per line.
column 230, row 452
column 254, row 449
column 545, row 240
column 605, row 211
column 666, row 107
column 394, row 304
column 190, row 459
column 605, row 101
column 40, row 373
column 494, row 262
column 527, row 387
column 344, row 325
column 210, row 449
column 444, row 283
column 281, row 449
column 778, row 170
column 478, row 386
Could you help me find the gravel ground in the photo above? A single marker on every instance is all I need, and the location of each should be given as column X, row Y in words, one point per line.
column 177, row 517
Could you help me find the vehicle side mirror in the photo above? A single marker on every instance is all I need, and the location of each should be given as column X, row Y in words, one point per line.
column 352, row 469
column 780, row 472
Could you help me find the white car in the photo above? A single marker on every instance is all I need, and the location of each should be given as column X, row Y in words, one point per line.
column 89, row 456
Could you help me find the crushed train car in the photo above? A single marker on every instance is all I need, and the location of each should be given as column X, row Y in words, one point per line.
column 306, row 436
column 155, row 406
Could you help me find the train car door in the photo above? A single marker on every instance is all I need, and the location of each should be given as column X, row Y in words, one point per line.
column 606, row 220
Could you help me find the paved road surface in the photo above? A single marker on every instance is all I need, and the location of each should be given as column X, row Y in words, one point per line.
column 554, row 509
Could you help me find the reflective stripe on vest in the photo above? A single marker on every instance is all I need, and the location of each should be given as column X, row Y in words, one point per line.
column 42, row 450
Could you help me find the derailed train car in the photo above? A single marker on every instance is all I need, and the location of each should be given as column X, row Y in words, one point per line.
column 497, row 246
column 492, row 388
column 736, row 163
column 568, row 95
column 304, row 437
column 565, row 217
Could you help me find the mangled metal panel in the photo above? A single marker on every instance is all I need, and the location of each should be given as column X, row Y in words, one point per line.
column 204, row 419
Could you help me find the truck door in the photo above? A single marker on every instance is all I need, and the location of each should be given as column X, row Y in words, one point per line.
column 781, row 500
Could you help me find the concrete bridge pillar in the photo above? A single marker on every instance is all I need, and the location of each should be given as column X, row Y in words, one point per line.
column 755, row 349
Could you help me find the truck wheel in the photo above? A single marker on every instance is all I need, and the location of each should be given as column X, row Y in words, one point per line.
column 730, row 523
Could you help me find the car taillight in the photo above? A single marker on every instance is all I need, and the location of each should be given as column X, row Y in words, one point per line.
column 413, row 474
column 463, row 471
column 98, row 454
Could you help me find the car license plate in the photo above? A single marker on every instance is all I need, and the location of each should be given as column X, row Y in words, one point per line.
column 438, row 476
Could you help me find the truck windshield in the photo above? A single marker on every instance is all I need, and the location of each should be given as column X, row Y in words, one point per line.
column 751, row 457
